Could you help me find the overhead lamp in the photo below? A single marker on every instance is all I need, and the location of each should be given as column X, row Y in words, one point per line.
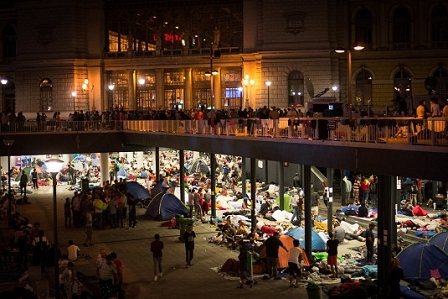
column 4, row 81
column 339, row 50
column 208, row 74
column 73, row 93
column 214, row 72
column 141, row 81
column 111, row 87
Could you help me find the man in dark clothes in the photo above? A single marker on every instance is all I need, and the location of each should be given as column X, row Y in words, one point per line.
column 189, row 236
column 156, row 249
column 370, row 239
column 272, row 244
column 362, row 210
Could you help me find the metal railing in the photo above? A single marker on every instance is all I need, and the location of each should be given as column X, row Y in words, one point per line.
column 396, row 130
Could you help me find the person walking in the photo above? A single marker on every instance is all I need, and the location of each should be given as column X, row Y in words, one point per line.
column 332, row 250
column 294, row 204
column 295, row 260
column 156, row 249
column 272, row 245
column 23, row 183
column 188, row 238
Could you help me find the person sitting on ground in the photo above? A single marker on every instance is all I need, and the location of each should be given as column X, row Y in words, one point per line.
column 362, row 210
column 72, row 251
column 339, row 232
column 242, row 228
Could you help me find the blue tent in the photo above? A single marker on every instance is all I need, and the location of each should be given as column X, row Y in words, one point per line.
column 137, row 190
column 317, row 243
column 417, row 261
column 165, row 206
column 440, row 240
column 157, row 188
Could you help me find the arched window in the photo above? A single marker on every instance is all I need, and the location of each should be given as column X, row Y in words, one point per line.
column 363, row 26
column 403, row 89
column 401, row 28
column 439, row 26
column 364, row 88
column 9, row 41
column 46, row 94
column 295, row 88
column 441, row 74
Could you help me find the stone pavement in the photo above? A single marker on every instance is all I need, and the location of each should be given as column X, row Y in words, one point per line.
column 132, row 247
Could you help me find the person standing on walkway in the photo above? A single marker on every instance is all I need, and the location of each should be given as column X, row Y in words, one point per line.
column 370, row 238
column 119, row 264
column 156, row 249
column 295, row 260
column 107, row 276
column 132, row 204
column 356, row 186
column 68, row 213
column 294, row 204
column 34, row 178
column 242, row 265
column 332, row 250
column 272, row 245
column 189, row 236
column 23, row 183
column 89, row 229
column 315, row 203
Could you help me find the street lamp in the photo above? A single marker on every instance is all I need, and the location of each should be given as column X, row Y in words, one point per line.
column 211, row 74
column 8, row 143
column 54, row 166
column 334, row 88
column 349, row 73
column 247, row 83
column 268, row 84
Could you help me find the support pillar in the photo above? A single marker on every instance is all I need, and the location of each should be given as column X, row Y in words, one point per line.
column 307, row 210
column 281, row 185
column 253, row 195
column 243, row 176
column 330, row 174
column 182, row 175
column 157, row 162
column 104, row 167
column 213, row 184
column 387, row 229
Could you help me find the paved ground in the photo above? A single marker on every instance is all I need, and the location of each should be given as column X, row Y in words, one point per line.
column 132, row 246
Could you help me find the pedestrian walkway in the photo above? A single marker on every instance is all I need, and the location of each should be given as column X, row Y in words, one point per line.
column 132, row 247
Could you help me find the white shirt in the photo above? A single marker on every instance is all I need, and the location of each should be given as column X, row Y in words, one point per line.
column 294, row 254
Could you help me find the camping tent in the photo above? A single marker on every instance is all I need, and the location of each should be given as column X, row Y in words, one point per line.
column 440, row 240
column 283, row 255
column 317, row 243
column 137, row 190
column 157, row 188
column 417, row 261
column 165, row 206
column 199, row 166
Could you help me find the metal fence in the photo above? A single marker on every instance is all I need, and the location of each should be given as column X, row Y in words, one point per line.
column 399, row 130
